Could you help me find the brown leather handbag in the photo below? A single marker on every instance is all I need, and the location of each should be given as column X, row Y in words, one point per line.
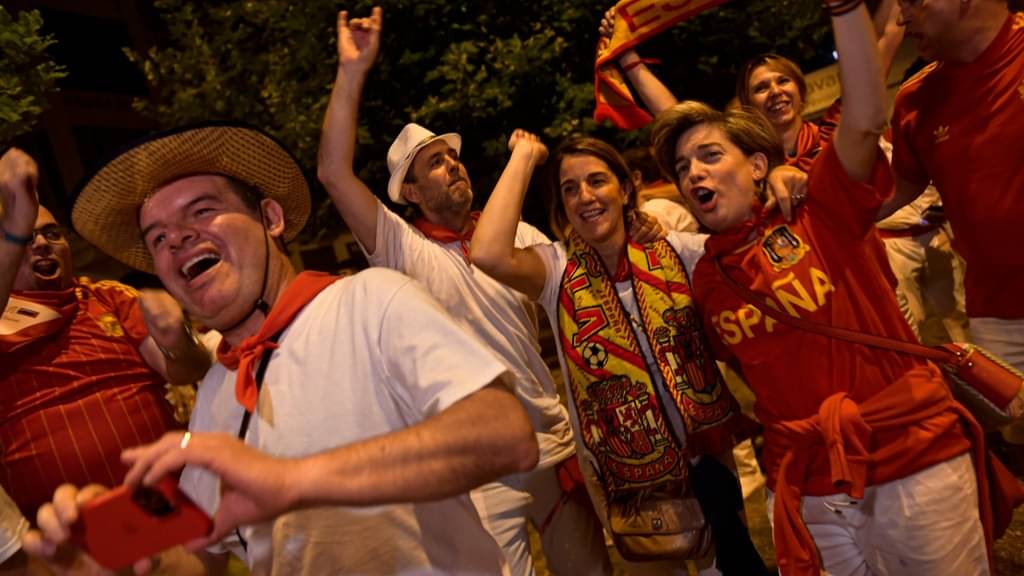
column 991, row 389
column 660, row 524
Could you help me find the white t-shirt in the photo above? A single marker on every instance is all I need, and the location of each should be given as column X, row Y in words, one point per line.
column 671, row 214
column 371, row 354
column 503, row 318
column 690, row 248
column 12, row 527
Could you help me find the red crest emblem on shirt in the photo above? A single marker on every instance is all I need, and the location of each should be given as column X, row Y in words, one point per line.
column 783, row 247
column 111, row 327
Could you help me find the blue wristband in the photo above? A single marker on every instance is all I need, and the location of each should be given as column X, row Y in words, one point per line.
column 19, row 240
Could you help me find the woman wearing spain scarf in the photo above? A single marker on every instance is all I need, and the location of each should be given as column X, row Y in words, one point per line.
column 869, row 458
column 646, row 398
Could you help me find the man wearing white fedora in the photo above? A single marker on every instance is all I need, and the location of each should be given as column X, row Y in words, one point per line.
column 346, row 418
column 434, row 248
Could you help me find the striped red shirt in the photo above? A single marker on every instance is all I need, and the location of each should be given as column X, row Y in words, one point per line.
column 70, row 402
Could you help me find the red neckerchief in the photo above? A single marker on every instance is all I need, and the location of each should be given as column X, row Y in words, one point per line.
column 445, row 235
column 724, row 243
column 64, row 302
column 300, row 292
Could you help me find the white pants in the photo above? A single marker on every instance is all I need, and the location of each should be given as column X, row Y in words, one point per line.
column 926, row 524
column 930, row 289
column 573, row 541
column 1004, row 338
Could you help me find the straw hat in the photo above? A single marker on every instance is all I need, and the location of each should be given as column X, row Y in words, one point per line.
column 106, row 205
column 411, row 140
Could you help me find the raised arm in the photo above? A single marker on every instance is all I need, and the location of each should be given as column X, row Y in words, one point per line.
column 358, row 44
column 890, row 33
column 19, row 206
column 655, row 95
column 863, row 93
column 479, row 438
column 493, row 248
column 171, row 348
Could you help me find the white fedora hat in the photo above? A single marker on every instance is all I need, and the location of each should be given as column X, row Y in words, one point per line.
column 410, row 141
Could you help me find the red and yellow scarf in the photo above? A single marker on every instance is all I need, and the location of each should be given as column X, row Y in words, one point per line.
column 635, row 22
column 622, row 421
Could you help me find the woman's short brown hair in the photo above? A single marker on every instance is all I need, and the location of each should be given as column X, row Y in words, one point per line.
column 776, row 62
column 586, row 146
column 744, row 127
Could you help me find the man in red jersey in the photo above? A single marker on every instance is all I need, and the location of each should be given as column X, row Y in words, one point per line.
column 959, row 124
column 82, row 364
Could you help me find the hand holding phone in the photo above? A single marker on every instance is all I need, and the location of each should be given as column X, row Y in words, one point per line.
column 126, row 525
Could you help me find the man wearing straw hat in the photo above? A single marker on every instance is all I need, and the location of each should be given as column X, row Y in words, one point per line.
column 434, row 248
column 83, row 364
column 346, row 418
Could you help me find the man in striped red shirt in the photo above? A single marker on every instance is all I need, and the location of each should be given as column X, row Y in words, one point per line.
column 82, row 364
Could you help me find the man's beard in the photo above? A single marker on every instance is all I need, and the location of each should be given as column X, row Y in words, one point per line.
column 451, row 205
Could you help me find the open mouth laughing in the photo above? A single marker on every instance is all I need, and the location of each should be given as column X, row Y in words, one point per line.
column 198, row 265
column 591, row 214
column 778, row 107
column 705, row 198
column 46, row 267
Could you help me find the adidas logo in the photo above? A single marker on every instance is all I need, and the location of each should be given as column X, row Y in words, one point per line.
column 941, row 134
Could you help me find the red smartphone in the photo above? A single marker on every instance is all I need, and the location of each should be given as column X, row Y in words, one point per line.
column 125, row 525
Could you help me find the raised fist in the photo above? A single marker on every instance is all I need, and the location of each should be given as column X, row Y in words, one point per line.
column 607, row 24
column 19, row 203
column 520, row 136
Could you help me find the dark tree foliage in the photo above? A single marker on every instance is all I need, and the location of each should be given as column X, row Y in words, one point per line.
column 27, row 73
column 480, row 68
